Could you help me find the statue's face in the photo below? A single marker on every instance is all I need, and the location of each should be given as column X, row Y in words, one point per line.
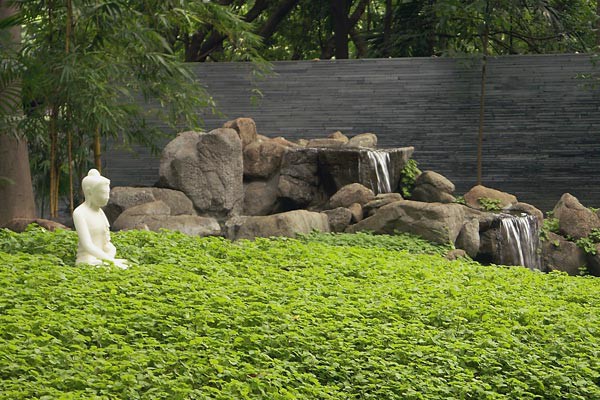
column 100, row 195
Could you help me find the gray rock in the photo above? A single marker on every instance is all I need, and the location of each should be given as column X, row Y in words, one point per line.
column 263, row 159
column 246, row 129
column 339, row 218
column 437, row 181
column 429, row 194
column 436, row 222
column 157, row 207
column 357, row 212
column 260, row 197
column 433, row 188
column 208, row 168
column 177, row 201
column 124, row 197
column 559, row 254
column 574, row 219
column 299, row 181
column 379, row 201
column 349, row 194
column 477, row 192
column 363, row 140
column 468, row 237
column 287, row 224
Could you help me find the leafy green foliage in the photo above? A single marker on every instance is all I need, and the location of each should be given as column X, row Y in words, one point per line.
column 460, row 200
column 398, row 242
column 550, row 224
column 588, row 244
column 284, row 319
column 409, row 175
column 489, row 204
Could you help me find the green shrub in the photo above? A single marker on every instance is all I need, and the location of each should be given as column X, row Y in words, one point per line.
column 550, row 224
column 489, row 204
column 204, row 318
column 409, row 175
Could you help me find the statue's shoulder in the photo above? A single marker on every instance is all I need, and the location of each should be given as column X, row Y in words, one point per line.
column 82, row 209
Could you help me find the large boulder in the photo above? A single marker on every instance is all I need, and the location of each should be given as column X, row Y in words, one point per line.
column 246, row 129
column 363, row 140
column 473, row 196
column 157, row 207
column 299, row 180
column 574, row 219
column 349, row 194
column 559, row 254
column 262, row 159
column 125, row 197
column 440, row 223
column 468, row 238
column 432, row 187
column 208, row 168
column 379, row 201
column 357, row 212
column 260, row 197
column 287, row 224
column 339, row 218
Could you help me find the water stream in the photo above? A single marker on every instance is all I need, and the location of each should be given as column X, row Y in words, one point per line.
column 380, row 162
column 519, row 244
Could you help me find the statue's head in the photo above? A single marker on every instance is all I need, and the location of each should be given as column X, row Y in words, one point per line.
column 96, row 188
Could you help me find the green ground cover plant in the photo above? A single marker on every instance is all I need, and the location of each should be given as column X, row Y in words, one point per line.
column 322, row 317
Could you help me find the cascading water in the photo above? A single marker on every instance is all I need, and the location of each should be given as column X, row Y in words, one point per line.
column 380, row 161
column 519, row 241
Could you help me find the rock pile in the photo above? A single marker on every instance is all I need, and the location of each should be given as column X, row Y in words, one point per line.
column 237, row 183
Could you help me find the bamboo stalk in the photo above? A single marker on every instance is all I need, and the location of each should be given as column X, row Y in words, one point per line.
column 97, row 150
column 54, row 178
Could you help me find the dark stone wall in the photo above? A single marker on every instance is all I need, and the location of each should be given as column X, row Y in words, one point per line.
column 541, row 132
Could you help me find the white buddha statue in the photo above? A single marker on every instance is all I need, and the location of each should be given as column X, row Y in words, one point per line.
column 91, row 224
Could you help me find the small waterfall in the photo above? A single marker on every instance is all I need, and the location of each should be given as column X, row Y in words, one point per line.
column 519, row 243
column 380, row 162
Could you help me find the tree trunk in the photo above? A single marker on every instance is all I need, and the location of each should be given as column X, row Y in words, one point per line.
column 339, row 15
column 214, row 42
column 16, row 190
column 267, row 30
